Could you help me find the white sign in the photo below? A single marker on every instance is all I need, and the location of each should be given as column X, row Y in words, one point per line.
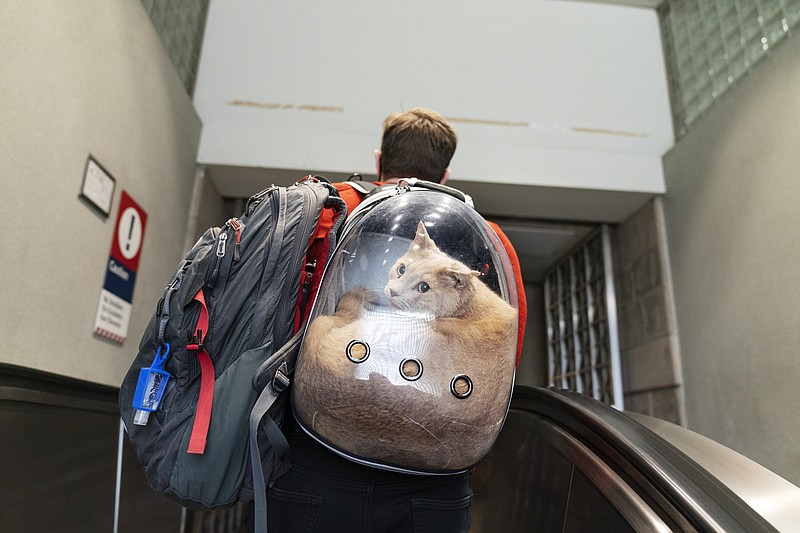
column 98, row 186
column 112, row 318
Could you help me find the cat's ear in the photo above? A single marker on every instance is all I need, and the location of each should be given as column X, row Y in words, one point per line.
column 422, row 240
column 461, row 275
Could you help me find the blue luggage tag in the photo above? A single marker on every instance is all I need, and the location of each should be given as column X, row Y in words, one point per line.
column 150, row 388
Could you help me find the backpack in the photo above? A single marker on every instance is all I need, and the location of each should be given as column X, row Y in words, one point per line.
column 223, row 339
column 388, row 375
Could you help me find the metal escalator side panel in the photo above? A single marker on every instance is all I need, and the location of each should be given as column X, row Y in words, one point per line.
column 769, row 494
column 543, row 479
column 659, row 473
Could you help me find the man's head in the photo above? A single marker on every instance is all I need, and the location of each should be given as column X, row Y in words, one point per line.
column 418, row 143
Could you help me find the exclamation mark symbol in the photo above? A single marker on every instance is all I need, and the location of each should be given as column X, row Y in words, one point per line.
column 130, row 235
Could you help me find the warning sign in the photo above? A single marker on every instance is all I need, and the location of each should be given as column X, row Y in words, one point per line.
column 114, row 308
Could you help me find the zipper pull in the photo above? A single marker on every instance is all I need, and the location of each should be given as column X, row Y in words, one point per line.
column 221, row 247
column 238, row 227
column 223, row 240
column 306, row 287
column 309, row 269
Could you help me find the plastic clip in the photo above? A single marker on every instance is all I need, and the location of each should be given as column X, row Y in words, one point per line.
column 281, row 380
column 195, row 341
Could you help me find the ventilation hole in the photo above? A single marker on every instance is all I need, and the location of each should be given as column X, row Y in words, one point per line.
column 358, row 351
column 461, row 386
column 411, row 369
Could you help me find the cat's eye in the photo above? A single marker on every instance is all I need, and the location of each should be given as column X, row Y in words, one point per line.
column 423, row 287
column 401, row 270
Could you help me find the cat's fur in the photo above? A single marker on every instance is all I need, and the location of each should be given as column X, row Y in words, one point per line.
column 440, row 313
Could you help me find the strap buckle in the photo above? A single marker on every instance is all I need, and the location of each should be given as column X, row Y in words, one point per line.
column 281, row 379
column 195, row 341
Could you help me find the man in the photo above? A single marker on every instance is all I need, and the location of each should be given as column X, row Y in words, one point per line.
column 325, row 492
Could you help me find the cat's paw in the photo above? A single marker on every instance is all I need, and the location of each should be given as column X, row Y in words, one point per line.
column 351, row 302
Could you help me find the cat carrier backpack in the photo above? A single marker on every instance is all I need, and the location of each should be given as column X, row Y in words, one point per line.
column 407, row 363
column 223, row 340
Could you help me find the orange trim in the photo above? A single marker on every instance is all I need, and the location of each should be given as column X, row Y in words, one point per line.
column 522, row 300
column 350, row 196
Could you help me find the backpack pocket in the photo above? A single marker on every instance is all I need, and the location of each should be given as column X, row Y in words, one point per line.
column 215, row 477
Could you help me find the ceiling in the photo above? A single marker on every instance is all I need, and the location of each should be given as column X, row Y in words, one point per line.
column 539, row 246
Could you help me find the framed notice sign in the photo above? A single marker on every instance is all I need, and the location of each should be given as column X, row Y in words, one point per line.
column 98, row 186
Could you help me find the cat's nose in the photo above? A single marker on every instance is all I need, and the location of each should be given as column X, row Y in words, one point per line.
column 392, row 293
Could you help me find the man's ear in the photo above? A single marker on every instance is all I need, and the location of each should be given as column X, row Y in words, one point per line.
column 445, row 176
column 378, row 163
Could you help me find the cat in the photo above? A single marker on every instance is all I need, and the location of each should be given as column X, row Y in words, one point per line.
column 350, row 388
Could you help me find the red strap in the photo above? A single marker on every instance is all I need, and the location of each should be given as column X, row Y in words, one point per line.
column 202, row 415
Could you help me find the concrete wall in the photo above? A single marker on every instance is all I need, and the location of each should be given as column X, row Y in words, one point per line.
column 77, row 78
column 648, row 329
column 732, row 209
column 532, row 369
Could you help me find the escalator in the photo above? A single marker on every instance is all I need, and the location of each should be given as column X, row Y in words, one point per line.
column 565, row 462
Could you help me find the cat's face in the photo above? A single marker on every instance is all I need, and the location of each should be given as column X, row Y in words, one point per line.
column 425, row 279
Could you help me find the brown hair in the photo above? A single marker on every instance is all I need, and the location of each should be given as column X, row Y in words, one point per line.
column 417, row 143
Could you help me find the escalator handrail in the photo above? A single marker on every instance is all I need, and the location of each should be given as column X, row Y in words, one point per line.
column 634, row 451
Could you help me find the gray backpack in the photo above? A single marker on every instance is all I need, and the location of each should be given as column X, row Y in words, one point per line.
column 204, row 398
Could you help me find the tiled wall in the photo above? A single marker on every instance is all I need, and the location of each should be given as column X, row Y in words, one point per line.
column 180, row 24
column 582, row 340
column 710, row 44
column 652, row 377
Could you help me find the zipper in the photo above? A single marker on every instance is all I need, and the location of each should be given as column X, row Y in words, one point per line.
column 162, row 310
column 307, row 278
column 257, row 198
column 286, row 306
column 222, row 242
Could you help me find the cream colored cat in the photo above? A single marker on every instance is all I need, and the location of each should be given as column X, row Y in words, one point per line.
column 423, row 382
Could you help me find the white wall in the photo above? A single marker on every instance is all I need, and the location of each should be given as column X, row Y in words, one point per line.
column 733, row 226
column 545, row 93
column 77, row 78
